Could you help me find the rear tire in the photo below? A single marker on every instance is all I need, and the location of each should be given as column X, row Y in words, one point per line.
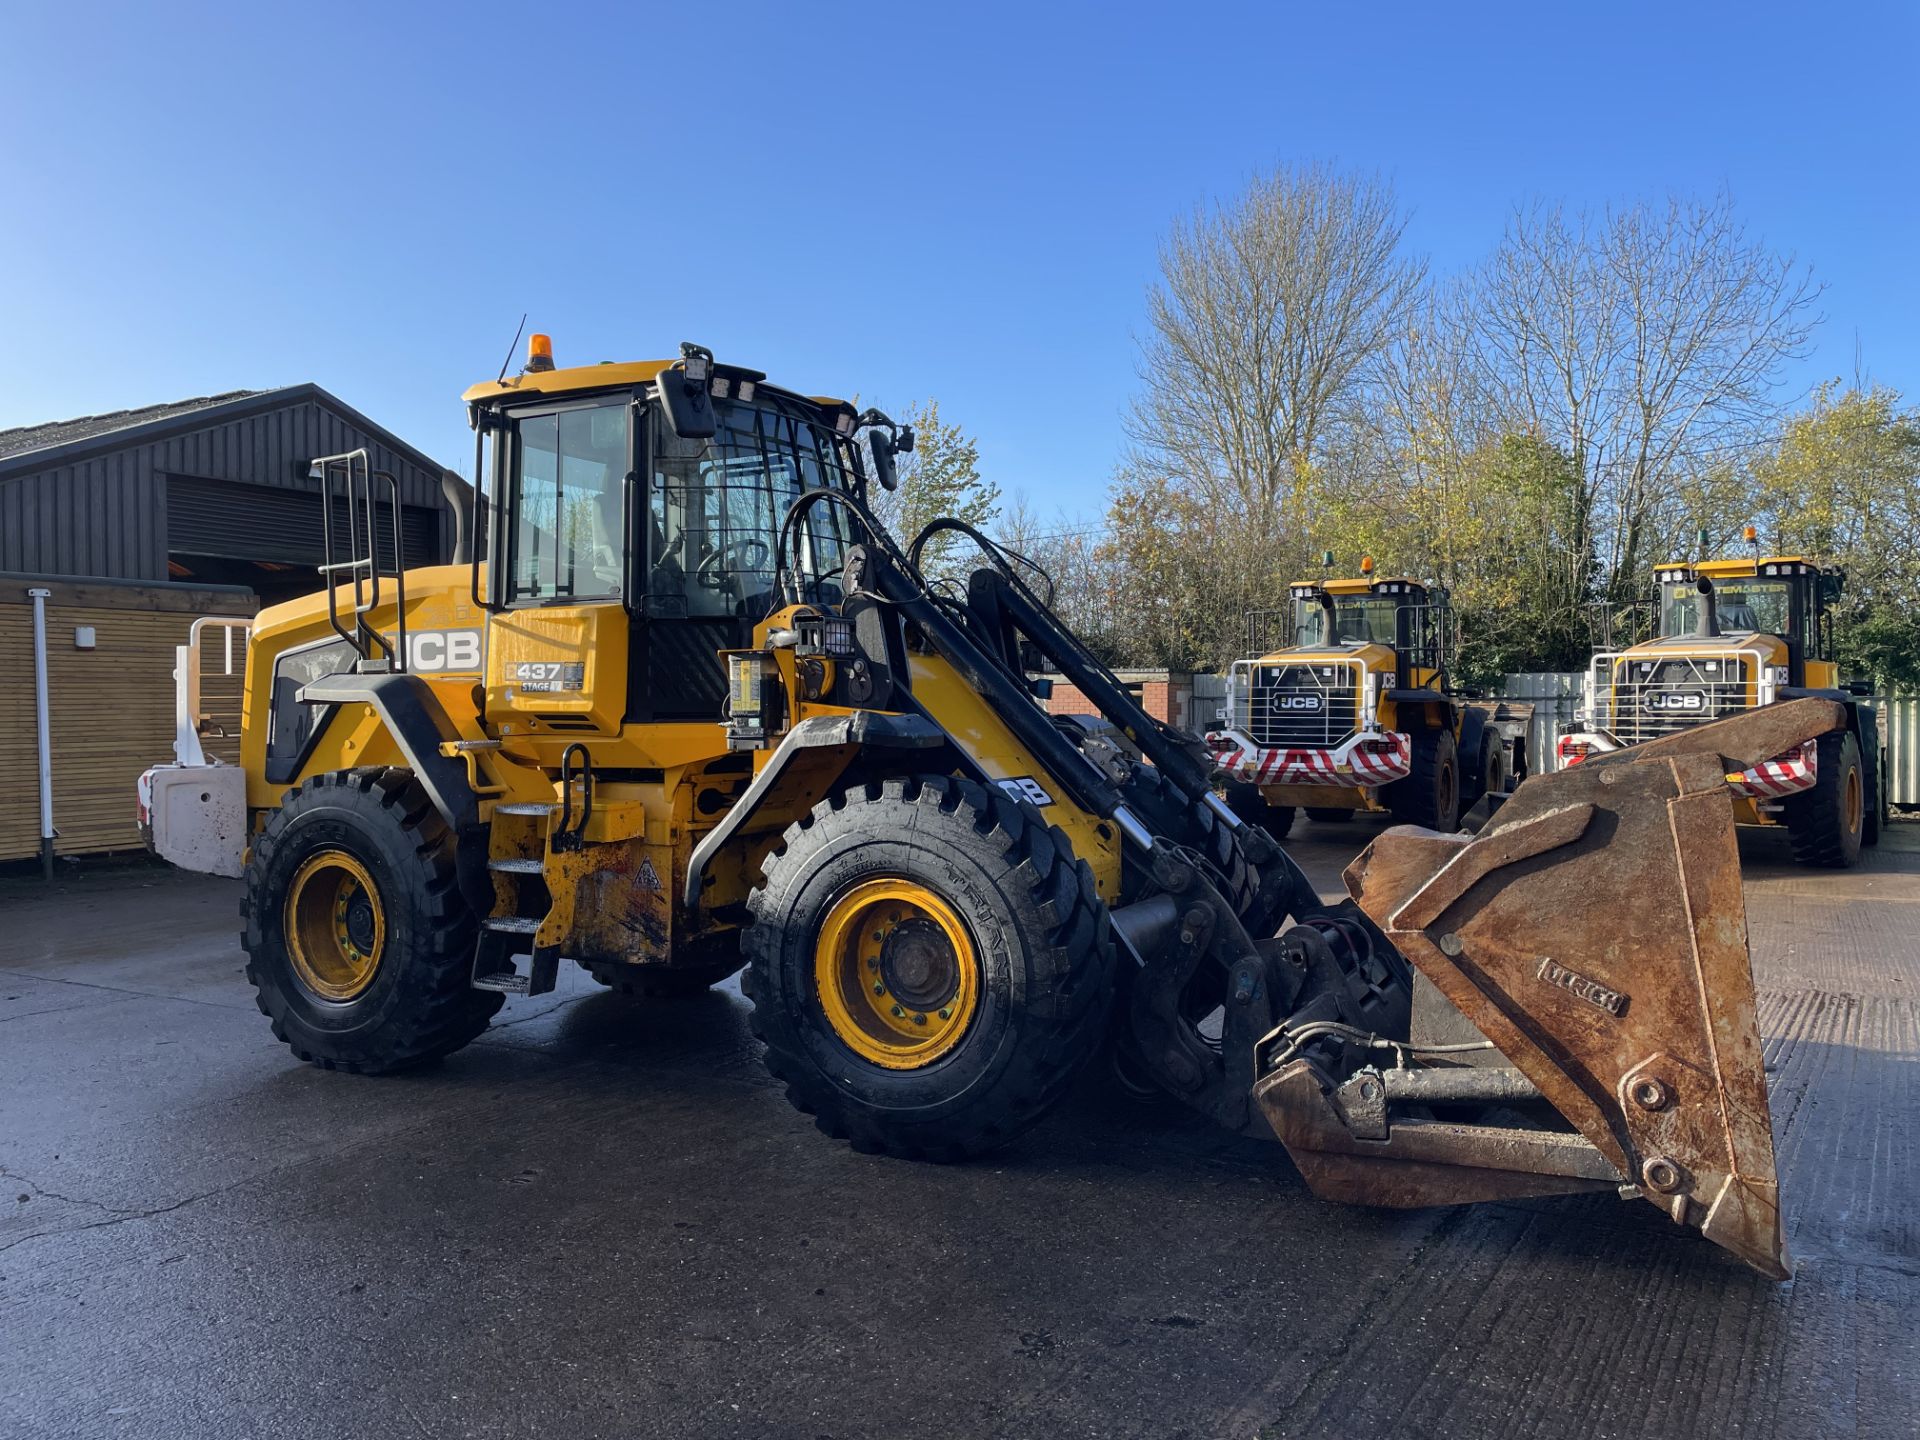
column 1877, row 810
column 367, row 846
column 1488, row 770
column 1827, row 823
column 1032, row 988
column 1430, row 795
column 1328, row 815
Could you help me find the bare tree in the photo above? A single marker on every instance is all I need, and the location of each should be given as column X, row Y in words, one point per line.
column 1267, row 313
column 1647, row 344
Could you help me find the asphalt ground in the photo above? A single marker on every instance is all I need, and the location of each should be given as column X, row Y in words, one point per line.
column 603, row 1219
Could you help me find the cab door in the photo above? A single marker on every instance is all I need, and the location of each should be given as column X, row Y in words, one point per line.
column 557, row 655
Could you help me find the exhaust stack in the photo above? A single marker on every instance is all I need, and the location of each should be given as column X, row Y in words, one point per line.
column 1708, row 625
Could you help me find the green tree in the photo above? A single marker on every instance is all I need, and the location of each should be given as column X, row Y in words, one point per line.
column 1842, row 484
column 1501, row 528
column 940, row 478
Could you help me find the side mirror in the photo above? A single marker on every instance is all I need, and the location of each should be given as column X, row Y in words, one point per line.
column 684, row 398
column 880, row 447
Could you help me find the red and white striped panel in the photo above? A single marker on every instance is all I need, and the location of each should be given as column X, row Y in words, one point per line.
column 1353, row 765
column 1296, row 767
column 1380, row 767
column 1786, row 774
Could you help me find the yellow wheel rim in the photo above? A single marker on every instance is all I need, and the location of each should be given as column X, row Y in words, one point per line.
column 897, row 973
column 336, row 927
column 1854, row 806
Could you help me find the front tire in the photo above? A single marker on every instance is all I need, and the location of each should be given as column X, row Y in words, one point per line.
column 1827, row 823
column 991, row 950
column 1246, row 801
column 1430, row 795
column 359, row 945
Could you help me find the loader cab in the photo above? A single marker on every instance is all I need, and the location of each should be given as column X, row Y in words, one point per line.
column 1387, row 612
column 1395, row 613
column 628, row 555
column 1788, row 598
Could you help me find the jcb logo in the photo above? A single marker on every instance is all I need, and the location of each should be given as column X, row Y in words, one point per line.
column 1025, row 787
column 1297, row 702
column 1687, row 700
column 435, row 651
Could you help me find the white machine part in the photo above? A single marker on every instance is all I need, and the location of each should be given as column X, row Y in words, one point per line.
column 193, row 813
column 195, row 816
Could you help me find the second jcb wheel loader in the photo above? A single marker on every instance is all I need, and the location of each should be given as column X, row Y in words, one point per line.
column 1352, row 712
column 1735, row 635
column 688, row 708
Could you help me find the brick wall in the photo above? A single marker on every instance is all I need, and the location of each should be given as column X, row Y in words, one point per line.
column 1166, row 694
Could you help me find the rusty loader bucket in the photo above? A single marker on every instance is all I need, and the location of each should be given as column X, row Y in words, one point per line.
column 1582, row 1014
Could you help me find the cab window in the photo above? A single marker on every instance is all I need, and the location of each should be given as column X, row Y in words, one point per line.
column 716, row 507
column 1767, row 606
column 567, row 541
column 1358, row 620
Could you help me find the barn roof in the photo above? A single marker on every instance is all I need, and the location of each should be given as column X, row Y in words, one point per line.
column 22, row 438
column 61, row 442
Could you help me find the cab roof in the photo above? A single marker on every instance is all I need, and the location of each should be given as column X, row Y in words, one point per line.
column 1748, row 565
column 607, row 375
column 1362, row 585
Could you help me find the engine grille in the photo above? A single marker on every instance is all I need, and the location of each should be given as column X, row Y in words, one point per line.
column 1300, row 705
column 1644, row 698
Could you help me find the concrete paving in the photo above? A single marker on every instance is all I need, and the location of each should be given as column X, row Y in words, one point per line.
column 603, row 1219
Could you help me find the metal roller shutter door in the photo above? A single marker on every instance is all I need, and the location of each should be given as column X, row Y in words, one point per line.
column 257, row 522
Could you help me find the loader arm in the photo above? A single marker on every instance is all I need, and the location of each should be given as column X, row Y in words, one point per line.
column 1561, row 1003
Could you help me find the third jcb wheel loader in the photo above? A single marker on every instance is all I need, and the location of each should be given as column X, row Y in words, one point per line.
column 1737, row 635
column 688, row 708
column 1353, row 712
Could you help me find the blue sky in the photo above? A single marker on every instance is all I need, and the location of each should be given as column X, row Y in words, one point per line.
column 960, row 201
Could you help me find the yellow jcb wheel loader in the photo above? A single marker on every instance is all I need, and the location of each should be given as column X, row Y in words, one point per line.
column 687, row 707
column 1352, row 712
column 1734, row 635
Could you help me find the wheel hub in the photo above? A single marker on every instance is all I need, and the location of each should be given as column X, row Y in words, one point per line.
column 918, row 964
column 896, row 972
column 335, row 926
column 359, row 922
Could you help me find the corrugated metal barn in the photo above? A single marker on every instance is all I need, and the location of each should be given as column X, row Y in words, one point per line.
column 214, row 490
column 135, row 523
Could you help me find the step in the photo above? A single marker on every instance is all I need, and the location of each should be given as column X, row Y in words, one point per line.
column 523, row 808
column 506, row 982
column 516, row 866
column 511, row 924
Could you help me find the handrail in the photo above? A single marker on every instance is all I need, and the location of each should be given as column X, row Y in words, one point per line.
column 484, row 517
column 355, row 467
column 187, row 715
